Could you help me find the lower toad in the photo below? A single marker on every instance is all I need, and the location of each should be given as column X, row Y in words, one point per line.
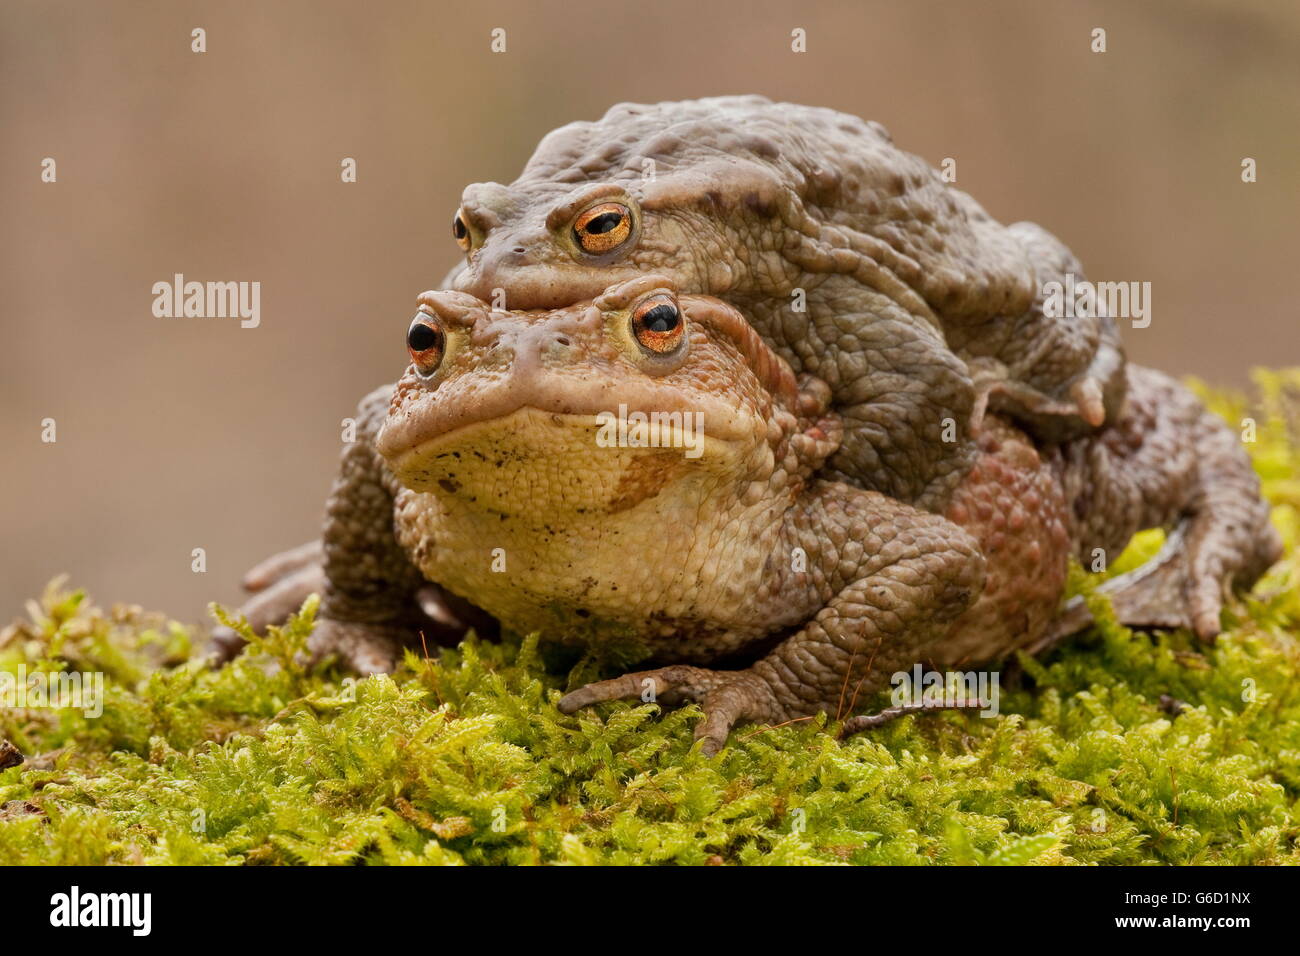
column 488, row 475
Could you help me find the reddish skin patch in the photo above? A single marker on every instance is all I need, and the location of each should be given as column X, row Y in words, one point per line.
column 1010, row 503
column 644, row 478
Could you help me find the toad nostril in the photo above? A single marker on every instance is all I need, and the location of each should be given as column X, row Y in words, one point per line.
column 562, row 340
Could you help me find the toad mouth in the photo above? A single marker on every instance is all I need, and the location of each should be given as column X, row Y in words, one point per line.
column 545, row 433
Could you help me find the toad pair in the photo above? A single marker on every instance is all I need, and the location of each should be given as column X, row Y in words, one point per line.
column 900, row 451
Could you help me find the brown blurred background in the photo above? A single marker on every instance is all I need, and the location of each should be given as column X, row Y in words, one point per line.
column 177, row 434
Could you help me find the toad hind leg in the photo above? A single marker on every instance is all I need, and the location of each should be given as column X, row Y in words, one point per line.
column 1151, row 596
column 277, row 567
column 1168, row 462
column 370, row 606
column 279, row 585
column 273, row 604
column 897, row 577
column 1182, row 586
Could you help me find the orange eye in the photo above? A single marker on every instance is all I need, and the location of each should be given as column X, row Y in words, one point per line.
column 657, row 324
column 461, row 231
column 425, row 341
column 602, row 228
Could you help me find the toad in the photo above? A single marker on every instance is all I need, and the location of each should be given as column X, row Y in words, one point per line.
column 488, row 474
column 855, row 260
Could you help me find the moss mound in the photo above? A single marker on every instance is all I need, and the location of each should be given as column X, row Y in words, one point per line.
column 1120, row 748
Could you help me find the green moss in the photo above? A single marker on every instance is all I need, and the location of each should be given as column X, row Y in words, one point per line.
column 463, row 758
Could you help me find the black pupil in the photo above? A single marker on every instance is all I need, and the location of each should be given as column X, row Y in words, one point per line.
column 458, row 228
column 604, row 222
column 422, row 337
column 662, row 318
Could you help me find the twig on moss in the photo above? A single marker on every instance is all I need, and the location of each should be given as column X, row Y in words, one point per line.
column 866, row 721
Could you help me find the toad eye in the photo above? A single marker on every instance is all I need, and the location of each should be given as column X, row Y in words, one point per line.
column 425, row 341
column 657, row 324
column 460, row 230
column 602, row 228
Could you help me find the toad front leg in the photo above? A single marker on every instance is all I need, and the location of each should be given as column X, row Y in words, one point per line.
column 891, row 581
column 375, row 601
column 371, row 606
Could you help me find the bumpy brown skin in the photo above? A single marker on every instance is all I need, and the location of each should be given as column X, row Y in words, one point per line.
column 1167, row 462
column 919, row 305
column 493, row 456
column 921, row 312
